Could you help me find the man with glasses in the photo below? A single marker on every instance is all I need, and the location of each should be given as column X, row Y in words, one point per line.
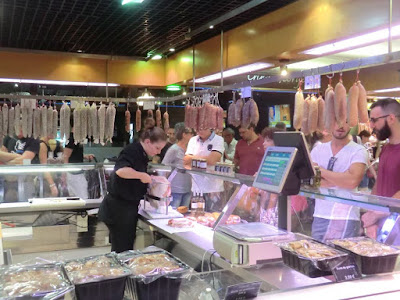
column 385, row 122
column 342, row 163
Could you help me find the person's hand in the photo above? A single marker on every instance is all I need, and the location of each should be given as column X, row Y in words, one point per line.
column 54, row 190
column 90, row 157
column 145, row 178
column 371, row 231
column 370, row 218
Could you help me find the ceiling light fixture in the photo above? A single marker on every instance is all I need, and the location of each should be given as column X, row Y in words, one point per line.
column 57, row 82
column 131, row 1
column 173, row 87
column 235, row 71
column 79, row 51
column 145, row 96
column 211, row 26
column 171, row 49
column 397, row 89
column 284, row 71
column 157, row 57
column 364, row 39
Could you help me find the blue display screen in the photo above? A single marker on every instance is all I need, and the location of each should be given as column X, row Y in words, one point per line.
column 273, row 168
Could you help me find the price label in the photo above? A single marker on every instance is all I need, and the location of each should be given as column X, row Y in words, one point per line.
column 312, row 82
column 345, row 270
column 148, row 105
column 246, row 92
column 242, row 291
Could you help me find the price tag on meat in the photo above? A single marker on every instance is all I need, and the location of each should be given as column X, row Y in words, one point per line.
column 241, row 291
column 345, row 270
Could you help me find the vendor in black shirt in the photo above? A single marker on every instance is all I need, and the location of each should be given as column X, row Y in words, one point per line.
column 73, row 153
column 15, row 150
column 128, row 185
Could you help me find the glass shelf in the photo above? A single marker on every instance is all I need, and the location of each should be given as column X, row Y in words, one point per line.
column 354, row 198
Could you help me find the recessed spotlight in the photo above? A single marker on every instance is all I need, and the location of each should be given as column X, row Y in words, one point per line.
column 16, row 85
column 211, row 26
column 79, row 51
column 172, row 49
column 157, row 57
column 284, row 71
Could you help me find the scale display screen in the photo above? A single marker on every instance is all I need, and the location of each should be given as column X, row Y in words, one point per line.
column 275, row 168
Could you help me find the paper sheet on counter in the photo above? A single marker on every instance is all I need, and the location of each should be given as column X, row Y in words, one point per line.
column 163, row 224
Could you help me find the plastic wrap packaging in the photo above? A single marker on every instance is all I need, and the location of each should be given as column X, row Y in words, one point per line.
column 156, row 274
column 98, row 277
column 47, row 281
column 159, row 187
column 371, row 256
column 310, row 257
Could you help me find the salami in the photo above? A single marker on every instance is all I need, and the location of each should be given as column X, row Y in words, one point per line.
column 36, row 122
column 220, row 118
column 238, row 112
column 67, row 121
column 94, row 121
column 246, row 114
column 1, row 125
column 188, row 115
column 201, row 120
column 62, row 117
column 254, row 114
column 166, row 121
column 55, row 123
column 24, row 120
column 306, row 108
column 110, row 119
column 138, row 120
column 158, row 118
column 362, row 104
column 102, row 122
column 194, row 112
column 321, row 114
column 30, row 121
column 43, row 117
column 84, row 122
column 231, row 114
column 49, row 121
column 127, row 121
column 5, row 119
column 77, row 124
column 313, row 115
column 329, row 109
column 11, row 119
column 17, row 119
column 340, row 104
column 352, row 106
column 298, row 109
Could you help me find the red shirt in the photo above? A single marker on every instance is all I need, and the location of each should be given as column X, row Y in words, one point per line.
column 249, row 156
column 389, row 171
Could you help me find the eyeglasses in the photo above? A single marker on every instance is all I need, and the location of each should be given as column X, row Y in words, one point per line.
column 374, row 120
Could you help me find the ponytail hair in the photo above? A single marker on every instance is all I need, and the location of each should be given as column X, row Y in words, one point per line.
column 154, row 134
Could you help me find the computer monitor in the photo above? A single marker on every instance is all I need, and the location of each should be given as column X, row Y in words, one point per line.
column 302, row 165
column 275, row 168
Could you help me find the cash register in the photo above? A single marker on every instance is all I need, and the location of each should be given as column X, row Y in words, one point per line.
column 249, row 244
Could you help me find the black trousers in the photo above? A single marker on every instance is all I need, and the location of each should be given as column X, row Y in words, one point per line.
column 122, row 236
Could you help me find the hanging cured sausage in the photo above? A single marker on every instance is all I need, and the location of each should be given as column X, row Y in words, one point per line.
column 352, row 106
column 298, row 109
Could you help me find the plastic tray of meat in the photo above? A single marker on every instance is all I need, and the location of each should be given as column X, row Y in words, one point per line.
column 371, row 256
column 155, row 275
column 46, row 281
column 310, row 257
column 100, row 277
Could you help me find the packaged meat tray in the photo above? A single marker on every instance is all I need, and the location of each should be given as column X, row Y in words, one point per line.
column 155, row 275
column 47, row 281
column 371, row 256
column 98, row 277
column 310, row 257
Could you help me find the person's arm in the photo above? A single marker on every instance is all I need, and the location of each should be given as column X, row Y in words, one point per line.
column 47, row 175
column 89, row 157
column 20, row 158
column 346, row 180
column 130, row 173
column 236, row 159
column 6, row 157
column 213, row 158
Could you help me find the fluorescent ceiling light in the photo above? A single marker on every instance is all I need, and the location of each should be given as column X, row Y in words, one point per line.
column 172, row 49
column 234, row 72
column 360, row 40
column 57, row 82
column 397, row 89
column 36, row 169
column 131, row 1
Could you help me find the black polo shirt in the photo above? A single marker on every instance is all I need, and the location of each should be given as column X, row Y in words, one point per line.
column 77, row 150
column 132, row 156
column 19, row 146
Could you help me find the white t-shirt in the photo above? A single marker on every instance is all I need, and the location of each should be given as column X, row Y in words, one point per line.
column 197, row 147
column 348, row 155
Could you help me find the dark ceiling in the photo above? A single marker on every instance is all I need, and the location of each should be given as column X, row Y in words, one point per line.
column 107, row 27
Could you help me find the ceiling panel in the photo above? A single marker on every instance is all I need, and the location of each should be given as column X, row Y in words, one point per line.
column 107, row 27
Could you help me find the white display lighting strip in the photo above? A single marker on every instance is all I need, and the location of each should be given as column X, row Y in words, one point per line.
column 397, row 89
column 57, row 82
column 361, row 40
column 234, row 72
